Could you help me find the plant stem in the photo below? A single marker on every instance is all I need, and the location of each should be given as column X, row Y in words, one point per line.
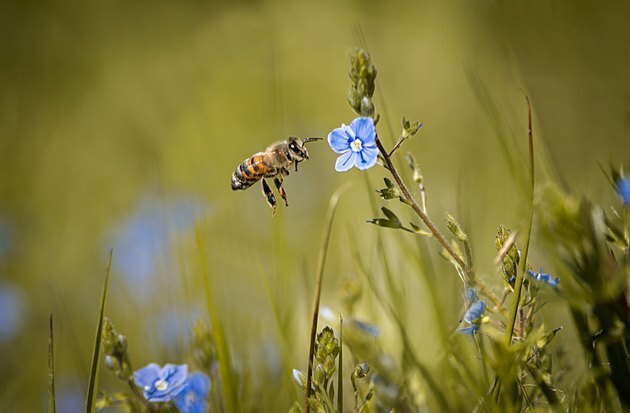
column 431, row 226
column 518, row 284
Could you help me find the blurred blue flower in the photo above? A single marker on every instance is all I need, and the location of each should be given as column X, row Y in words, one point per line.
column 471, row 295
column 192, row 399
column 70, row 397
column 366, row 327
column 11, row 310
column 544, row 278
column 161, row 384
column 356, row 143
column 623, row 188
column 142, row 242
column 474, row 313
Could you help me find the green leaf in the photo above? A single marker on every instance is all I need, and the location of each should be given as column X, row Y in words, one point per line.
column 410, row 128
column 93, row 382
column 390, row 215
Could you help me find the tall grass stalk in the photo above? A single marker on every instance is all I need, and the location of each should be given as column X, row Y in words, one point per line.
column 51, row 369
column 518, row 284
column 228, row 385
column 340, row 369
column 90, row 399
column 321, row 261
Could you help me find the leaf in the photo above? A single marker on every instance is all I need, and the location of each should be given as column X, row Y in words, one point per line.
column 390, row 215
column 410, row 128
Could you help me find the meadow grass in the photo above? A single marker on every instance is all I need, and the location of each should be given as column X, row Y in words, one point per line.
column 494, row 355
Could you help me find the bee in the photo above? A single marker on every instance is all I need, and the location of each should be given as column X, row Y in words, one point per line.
column 274, row 163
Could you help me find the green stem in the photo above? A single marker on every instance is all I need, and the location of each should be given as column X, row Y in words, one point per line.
column 431, row 226
column 518, row 284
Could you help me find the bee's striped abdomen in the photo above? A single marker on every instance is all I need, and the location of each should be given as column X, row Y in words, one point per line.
column 249, row 172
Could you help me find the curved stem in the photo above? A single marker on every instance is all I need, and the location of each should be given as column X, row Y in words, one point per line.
column 431, row 226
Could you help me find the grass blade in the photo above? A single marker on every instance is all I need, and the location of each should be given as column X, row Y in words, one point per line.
column 321, row 261
column 51, row 370
column 223, row 353
column 90, row 399
column 340, row 369
column 518, row 284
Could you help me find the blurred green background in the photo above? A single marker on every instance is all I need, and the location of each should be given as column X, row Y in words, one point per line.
column 121, row 123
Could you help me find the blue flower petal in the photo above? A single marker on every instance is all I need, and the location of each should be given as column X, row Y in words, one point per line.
column 176, row 376
column 146, row 375
column 161, row 384
column 544, row 278
column 345, row 161
column 471, row 295
column 366, row 158
column 193, row 398
column 364, row 130
column 475, row 311
column 340, row 138
column 623, row 187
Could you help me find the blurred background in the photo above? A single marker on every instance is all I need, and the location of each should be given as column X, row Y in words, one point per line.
column 121, row 123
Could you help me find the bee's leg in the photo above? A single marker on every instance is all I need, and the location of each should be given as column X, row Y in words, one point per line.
column 295, row 165
column 271, row 200
column 278, row 181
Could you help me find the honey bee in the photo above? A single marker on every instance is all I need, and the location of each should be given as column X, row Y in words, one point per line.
column 274, row 163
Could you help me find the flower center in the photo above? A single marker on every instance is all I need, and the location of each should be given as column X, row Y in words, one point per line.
column 356, row 145
column 161, row 385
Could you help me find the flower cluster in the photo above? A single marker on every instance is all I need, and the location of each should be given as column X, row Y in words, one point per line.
column 172, row 383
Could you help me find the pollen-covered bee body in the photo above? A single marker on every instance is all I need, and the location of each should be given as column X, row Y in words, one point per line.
column 275, row 163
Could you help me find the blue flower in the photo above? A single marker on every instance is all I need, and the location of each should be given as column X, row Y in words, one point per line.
column 161, row 384
column 623, row 188
column 473, row 314
column 356, row 143
column 544, row 278
column 192, row 399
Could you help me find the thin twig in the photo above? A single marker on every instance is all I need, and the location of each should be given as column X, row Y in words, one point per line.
column 398, row 144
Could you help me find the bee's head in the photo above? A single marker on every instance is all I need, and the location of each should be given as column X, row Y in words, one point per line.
column 297, row 149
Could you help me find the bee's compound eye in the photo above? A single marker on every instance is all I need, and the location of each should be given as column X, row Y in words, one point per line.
column 292, row 146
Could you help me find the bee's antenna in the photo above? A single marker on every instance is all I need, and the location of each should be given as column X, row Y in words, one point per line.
column 307, row 140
